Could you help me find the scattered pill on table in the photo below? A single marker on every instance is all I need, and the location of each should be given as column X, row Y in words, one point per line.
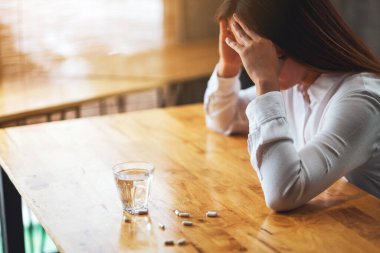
column 184, row 215
column 177, row 212
column 187, row 223
column 212, row 214
column 181, row 241
column 142, row 212
column 169, row 243
column 162, row 226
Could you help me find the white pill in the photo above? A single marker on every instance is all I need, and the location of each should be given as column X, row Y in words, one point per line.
column 142, row 212
column 176, row 212
column 187, row 223
column 162, row 226
column 212, row 214
column 169, row 243
column 181, row 241
column 184, row 215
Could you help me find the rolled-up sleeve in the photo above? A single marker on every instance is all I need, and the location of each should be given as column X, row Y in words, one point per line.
column 290, row 178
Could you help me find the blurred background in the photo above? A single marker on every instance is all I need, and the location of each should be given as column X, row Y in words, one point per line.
column 60, row 37
column 165, row 49
column 101, row 39
column 363, row 18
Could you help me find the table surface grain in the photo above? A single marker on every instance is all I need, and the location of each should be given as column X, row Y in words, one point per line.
column 63, row 172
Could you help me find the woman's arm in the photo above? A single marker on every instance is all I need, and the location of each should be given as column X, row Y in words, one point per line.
column 346, row 140
column 225, row 104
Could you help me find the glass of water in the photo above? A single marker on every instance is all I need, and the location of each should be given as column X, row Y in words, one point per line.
column 133, row 180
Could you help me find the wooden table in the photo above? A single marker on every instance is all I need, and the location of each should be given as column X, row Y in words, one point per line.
column 21, row 98
column 172, row 63
column 63, row 171
column 108, row 75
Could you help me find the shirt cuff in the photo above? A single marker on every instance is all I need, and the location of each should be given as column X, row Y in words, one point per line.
column 264, row 108
column 225, row 85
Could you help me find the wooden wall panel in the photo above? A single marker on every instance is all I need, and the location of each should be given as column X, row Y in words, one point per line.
column 187, row 20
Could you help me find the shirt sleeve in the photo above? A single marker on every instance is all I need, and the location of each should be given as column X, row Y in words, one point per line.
column 345, row 140
column 225, row 104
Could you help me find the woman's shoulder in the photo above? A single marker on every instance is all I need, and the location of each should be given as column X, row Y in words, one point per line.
column 357, row 97
column 361, row 90
column 363, row 81
column 359, row 82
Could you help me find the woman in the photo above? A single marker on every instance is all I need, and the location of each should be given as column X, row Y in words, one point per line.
column 314, row 115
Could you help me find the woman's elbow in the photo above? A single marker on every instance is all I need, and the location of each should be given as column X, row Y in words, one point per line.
column 282, row 202
column 218, row 126
column 286, row 191
column 279, row 205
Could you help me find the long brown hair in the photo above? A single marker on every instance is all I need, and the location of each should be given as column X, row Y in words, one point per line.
column 310, row 31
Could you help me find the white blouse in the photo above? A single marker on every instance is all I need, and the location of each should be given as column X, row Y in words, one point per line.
column 299, row 148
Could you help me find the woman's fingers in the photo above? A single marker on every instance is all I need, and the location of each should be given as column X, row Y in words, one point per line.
column 245, row 29
column 241, row 36
column 234, row 45
column 223, row 26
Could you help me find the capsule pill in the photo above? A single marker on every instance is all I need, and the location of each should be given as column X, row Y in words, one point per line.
column 187, row 223
column 212, row 214
column 181, row 241
column 184, row 215
column 142, row 212
column 169, row 243
column 162, row 226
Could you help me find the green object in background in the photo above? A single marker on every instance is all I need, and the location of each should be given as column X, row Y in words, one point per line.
column 37, row 241
column 35, row 238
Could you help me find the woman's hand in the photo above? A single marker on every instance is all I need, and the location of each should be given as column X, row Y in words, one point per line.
column 258, row 55
column 229, row 62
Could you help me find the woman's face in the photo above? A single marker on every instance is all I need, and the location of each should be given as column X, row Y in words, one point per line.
column 291, row 73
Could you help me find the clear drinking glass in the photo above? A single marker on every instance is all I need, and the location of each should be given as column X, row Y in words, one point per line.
column 133, row 180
